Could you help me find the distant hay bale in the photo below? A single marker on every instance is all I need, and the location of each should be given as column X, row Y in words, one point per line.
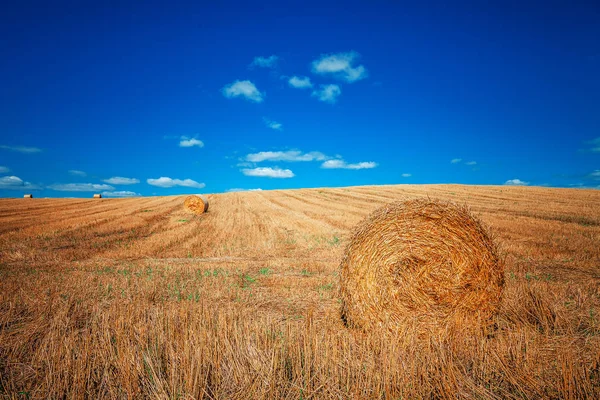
column 420, row 263
column 97, row 196
column 28, row 196
column 197, row 204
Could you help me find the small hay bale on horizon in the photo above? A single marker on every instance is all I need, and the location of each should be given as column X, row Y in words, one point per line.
column 198, row 204
column 28, row 196
column 420, row 264
column 97, row 196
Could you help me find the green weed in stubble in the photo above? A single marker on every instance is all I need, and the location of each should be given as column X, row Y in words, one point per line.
column 264, row 271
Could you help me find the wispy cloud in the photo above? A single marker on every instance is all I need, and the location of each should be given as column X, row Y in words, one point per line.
column 120, row 193
column 328, row 93
column 455, row 160
column 4, row 170
column 166, row 182
column 21, row 149
column 406, row 175
column 119, row 180
column 75, row 172
column 300, row 82
column 80, row 187
column 16, row 183
column 290, row 155
column 245, row 89
column 341, row 164
column 186, row 141
column 594, row 145
column 265, row 62
column 471, row 163
column 595, row 175
column 340, row 66
column 516, row 182
column 273, row 124
column 243, row 190
column 267, row 172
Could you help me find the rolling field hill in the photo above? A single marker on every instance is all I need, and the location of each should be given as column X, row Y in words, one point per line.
column 119, row 298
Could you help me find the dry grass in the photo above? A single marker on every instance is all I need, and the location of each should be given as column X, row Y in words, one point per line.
column 139, row 298
column 421, row 265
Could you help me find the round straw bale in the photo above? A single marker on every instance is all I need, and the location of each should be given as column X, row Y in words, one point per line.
column 422, row 263
column 197, row 204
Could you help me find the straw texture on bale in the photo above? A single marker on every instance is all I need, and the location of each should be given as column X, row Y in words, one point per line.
column 196, row 204
column 420, row 263
column 28, row 196
column 97, row 196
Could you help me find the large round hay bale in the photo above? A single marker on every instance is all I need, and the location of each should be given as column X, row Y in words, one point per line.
column 197, row 204
column 420, row 263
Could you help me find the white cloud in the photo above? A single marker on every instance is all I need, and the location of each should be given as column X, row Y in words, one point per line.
column 265, row 62
column 406, row 175
column 471, row 163
column 244, row 89
column 595, row 174
column 341, row 164
column 166, row 182
column 16, row 183
column 120, row 193
column 328, row 93
column 119, row 180
column 516, row 182
column 300, row 82
column 273, row 124
column 244, row 190
column 340, row 66
column 291, row 155
column 456, row 160
column 4, row 170
column 190, row 142
column 75, row 172
column 21, row 149
column 80, row 187
column 268, row 172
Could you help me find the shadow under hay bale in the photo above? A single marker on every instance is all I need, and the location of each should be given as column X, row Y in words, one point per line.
column 420, row 264
column 197, row 204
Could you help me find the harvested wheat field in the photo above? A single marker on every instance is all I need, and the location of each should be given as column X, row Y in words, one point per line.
column 138, row 298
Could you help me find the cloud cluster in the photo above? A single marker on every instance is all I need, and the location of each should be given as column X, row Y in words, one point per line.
column 166, row 182
column 268, row 172
column 16, row 183
column 300, row 82
column 80, row 187
column 265, row 62
column 455, row 160
column 21, row 149
column 120, row 193
column 290, row 155
column 75, row 172
column 327, row 93
column 119, row 180
column 516, row 182
column 273, row 124
column 245, row 89
column 341, row 164
column 186, row 141
column 340, row 66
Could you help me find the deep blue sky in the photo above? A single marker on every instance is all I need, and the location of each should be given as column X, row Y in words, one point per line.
column 93, row 91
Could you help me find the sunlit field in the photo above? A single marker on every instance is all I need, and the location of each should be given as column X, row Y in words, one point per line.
column 137, row 298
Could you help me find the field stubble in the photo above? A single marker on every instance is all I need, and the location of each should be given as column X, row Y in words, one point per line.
column 137, row 298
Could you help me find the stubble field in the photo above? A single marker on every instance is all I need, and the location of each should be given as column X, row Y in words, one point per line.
column 135, row 298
